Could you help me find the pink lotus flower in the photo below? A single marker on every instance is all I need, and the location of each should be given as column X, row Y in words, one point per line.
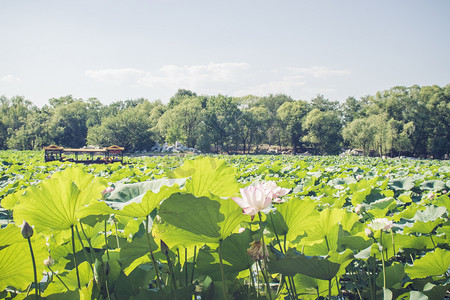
column 255, row 198
column 276, row 191
column 108, row 190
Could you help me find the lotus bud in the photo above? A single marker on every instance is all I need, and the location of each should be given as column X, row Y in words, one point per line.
column 108, row 190
column 257, row 251
column 49, row 261
column 444, row 192
column 27, row 230
column 164, row 248
column 368, row 232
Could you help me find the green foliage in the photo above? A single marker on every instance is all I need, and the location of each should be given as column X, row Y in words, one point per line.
column 172, row 220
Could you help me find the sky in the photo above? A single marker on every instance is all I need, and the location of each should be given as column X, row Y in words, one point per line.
column 118, row 50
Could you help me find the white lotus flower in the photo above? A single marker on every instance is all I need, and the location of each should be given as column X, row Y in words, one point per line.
column 255, row 198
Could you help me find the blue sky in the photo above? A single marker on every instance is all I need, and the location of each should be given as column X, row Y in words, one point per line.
column 117, row 50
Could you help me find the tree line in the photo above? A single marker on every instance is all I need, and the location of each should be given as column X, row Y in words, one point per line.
column 411, row 121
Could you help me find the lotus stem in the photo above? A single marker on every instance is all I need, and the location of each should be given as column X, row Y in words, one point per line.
column 193, row 265
column 431, row 237
column 382, row 260
column 74, row 257
column 34, row 269
column 224, row 287
column 57, row 276
column 88, row 240
column 276, row 235
column 155, row 265
column 84, row 250
column 264, row 272
column 106, row 242
column 185, row 265
column 117, row 236
column 393, row 243
column 329, row 289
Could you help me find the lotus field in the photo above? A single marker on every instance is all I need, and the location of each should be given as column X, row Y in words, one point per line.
column 224, row 227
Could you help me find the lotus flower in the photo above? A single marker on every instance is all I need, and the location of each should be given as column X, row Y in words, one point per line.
column 255, row 198
column 381, row 223
column 276, row 191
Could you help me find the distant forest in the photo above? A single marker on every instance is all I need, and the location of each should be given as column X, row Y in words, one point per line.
column 409, row 121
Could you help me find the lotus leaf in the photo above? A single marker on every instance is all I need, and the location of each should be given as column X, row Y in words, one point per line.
column 431, row 264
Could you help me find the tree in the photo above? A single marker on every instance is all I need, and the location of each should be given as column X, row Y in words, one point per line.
column 68, row 124
column 323, row 104
column 221, row 115
column 181, row 123
column 291, row 116
column 359, row 134
column 130, row 129
column 323, row 131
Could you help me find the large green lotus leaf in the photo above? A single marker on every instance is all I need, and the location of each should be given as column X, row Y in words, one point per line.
column 379, row 208
column 10, row 200
column 413, row 242
column 78, row 175
column 85, row 273
column 189, row 213
column 16, row 268
column 372, row 250
column 432, row 185
column 134, row 192
column 341, row 258
column 208, row 176
column 394, row 276
column 233, row 216
column 403, row 184
column 422, row 227
column 431, row 213
column 322, row 248
column 431, row 264
column 137, row 249
column 208, row 263
column 425, row 221
column 298, row 216
column 309, row 287
column 322, row 226
column 143, row 206
column 52, row 204
column 297, row 263
column 234, row 250
column 442, row 200
column 407, row 213
column 434, row 291
column 10, row 235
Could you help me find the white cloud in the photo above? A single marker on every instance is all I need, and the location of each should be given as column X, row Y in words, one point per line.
column 232, row 78
column 116, row 76
column 318, row 71
column 9, row 78
column 195, row 76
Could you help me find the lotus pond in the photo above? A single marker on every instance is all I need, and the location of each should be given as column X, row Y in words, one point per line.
column 224, row 227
